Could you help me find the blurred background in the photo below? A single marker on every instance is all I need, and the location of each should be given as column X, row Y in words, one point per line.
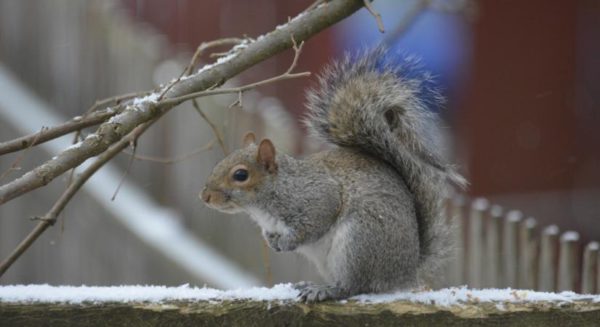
column 522, row 79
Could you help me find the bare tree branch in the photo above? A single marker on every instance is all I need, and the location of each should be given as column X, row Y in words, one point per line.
column 376, row 15
column 133, row 145
column 213, row 127
column 47, row 134
column 15, row 165
column 176, row 159
column 207, row 45
column 139, row 111
column 91, row 118
column 287, row 75
column 50, row 218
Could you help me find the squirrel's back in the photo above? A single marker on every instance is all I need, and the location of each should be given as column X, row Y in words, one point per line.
column 384, row 108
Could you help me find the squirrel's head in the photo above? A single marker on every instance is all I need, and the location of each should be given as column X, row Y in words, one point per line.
column 233, row 182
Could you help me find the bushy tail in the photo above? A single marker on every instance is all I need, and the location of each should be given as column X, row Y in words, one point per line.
column 384, row 108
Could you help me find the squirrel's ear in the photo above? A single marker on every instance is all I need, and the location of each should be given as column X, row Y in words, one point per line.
column 249, row 138
column 266, row 155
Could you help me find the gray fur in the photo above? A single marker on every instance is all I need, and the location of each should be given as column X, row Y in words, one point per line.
column 367, row 213
column 349, row 109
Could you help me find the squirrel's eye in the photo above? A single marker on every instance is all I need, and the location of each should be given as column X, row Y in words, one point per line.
column 240, row 175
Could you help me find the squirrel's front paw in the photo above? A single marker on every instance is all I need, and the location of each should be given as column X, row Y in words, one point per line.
column 273, row 240
column 280, row 242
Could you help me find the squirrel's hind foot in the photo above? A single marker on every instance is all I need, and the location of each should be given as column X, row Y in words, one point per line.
column 310, row 293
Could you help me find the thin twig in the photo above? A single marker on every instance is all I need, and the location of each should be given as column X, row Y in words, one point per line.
column 15, row 165
column 176, row 159
column 376, row 15
column 196, row 57
column 207, row 45
column 237, row 102
column 212, row 125
column 93, row 117
column 133, row 145
column 50, row 218
column 287, row 75
column 51, row 133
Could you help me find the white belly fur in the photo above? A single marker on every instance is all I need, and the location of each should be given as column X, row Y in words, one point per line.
column 326, row 252
column 267, row 222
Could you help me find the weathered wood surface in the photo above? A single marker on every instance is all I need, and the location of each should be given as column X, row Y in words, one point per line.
column 253, row 313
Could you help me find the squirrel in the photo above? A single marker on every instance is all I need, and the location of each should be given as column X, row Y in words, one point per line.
column 368, row 212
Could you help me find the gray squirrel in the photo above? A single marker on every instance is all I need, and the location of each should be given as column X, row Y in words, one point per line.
column 368, row 212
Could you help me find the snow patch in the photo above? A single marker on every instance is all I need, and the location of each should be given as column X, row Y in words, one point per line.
column 278, row 27
column 281, row 292
column 219, row 61
column 593, row 246
column 80, row 294
column 551, row 230
column 460, row 295
column 152, row 97
column 74, row 146
column 514, row 216
column 570, row 236
column 480, row 204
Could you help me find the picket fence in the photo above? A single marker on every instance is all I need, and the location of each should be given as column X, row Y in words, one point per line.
column 505, row 248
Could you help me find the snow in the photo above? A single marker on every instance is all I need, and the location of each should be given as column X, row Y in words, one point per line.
column 458, row 295
column 300, row 15
column 81, row 294
column 152, row 97
column 281, row 292
column 219, row 61
column 570, row 236
column 79, row 144
column 93, row 136
column 551, row 230
column 480, row 204
column 73, row 146
column 530, row 222
column 514, row 216
column 496, row 211
column 230, row 55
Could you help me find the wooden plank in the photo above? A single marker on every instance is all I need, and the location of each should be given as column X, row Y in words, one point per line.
column 477, row 217
column 528, row 255
column 511, row 248
column 567, row 262
column 547, row 265
column 590, row 265
column 493, row 262
column 285, row 313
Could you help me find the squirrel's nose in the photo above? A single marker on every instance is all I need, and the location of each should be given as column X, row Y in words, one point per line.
column 205, row 195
